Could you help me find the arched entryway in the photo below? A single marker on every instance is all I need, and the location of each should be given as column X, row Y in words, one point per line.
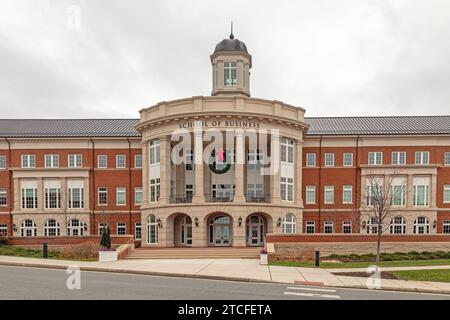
column 220, row 226
column 179, row 229
column 256, row 227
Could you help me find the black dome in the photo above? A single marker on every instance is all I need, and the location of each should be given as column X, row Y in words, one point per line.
column 231, row 44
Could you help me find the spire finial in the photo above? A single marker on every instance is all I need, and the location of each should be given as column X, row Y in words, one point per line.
column 231, row 34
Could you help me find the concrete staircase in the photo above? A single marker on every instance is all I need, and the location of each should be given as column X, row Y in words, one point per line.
column 195, row 253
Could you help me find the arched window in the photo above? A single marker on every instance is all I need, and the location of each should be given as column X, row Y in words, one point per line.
column 289, row 223
column 372, row 226
column 152, row 230
column 398, row 225
column 28, row 228
column 51, row 228
column 75, row 228
column 421, row 225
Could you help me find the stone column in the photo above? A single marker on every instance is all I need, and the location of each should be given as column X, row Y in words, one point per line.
column 433, row 190
column 164, row 164
column 275, row 177
column 410, row 191
column 298, row 160
column 17, row 195
column 199, row 196
column 40, row 194
column 87, row 204
column 145, row 173
column 239, row 195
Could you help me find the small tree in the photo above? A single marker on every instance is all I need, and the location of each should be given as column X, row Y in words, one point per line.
column 380, row 195
column 105, row 240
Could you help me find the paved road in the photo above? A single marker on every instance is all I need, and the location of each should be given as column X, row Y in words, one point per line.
column 36, row 283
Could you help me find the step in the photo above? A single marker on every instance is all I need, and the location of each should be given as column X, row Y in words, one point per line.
column 193, row 253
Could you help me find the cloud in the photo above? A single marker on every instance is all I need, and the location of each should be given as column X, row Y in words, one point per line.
column 353, row 57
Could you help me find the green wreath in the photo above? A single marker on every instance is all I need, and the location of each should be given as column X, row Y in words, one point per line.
column 213, row 168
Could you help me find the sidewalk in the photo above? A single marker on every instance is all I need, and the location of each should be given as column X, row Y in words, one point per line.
column 238, row 270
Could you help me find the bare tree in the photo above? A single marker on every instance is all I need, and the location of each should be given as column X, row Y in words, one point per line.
column 380, row 195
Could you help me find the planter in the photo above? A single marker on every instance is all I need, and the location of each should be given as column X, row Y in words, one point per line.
column 110, row 255
column 263, row 259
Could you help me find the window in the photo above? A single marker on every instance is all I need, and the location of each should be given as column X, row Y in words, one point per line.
column 372, row 226
column 398, row 191
column 287, row 150
column 138, row 196
column 229, row 74
column 3, row 230
column 152, row 230
column 347, row 194
column 52, row 197
column 28, row 228
column 154, row 151
column 75, row 160
column 3, row 197
column 310, row 227
column 189, row 191
column 289, row 223
column 329, row 159
column 446, row 159
column 189, row 160
column 51, row 228
column 375, row 158
column 398, row 225
column 29, row 195
column 287, row 189
column 421, row 225
column 102, row 161
column 420, row 191
column 137, row 231
column 154, row 189
column 121, row 228
column 374, row 191
column 446, row 226
column 121, row 196
column 310, row 194
column 328, row 227
column 329, row 194
column 254, row 158
column 102, row 196
column 310, row 159
column 102, row 227
column 398, row 157
column 51, row 161
column 254, row 191
column 28, row 161
column 2, row 162
column 76, row 194
column 446, row 193
column 346, row 227
column 138, row 161
column 348, row 159
column 74, row 228
column 422, row 157
column 120, row 161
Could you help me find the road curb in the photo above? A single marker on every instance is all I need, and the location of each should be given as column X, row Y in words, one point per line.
column 138, row 272
column 412, row 290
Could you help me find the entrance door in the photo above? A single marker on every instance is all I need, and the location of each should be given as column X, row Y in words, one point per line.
column 186, row 231
column 220, row 231
column 255, row 231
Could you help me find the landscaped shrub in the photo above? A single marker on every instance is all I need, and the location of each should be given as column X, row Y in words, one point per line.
column 396, row 256
column 80, row 252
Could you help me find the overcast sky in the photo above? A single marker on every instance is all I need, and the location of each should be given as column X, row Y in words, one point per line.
column 333, row 58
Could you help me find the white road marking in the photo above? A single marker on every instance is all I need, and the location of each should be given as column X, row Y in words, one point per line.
column 316, row 295
column 311, row 289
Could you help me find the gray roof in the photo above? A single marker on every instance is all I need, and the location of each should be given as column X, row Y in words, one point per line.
column 60, row 128
column 231, row 45
column 398, row 125
column 38, row 128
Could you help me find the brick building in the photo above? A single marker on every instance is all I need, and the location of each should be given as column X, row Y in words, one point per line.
column 69, row 177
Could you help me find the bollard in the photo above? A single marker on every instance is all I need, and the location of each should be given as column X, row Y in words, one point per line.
column 317, row 258
column 45, row 250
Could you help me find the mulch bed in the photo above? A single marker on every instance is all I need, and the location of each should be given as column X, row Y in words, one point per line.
column 384, row 275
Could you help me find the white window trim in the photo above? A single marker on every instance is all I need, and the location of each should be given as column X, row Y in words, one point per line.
column 136, row 156
column 119, row 156
column 325, row 192
column 310, row 224
column 98, row 196
column 315, row 160
column 75, row 157
column 4, row 191
column 52, row 160
column 310, row 189
column 343, row 160
column 447, row 153
column 3, row 162
column 344, row 189
column 118, row 189
column 325, row 162
column 28, row 162
column 121, row 225
column 135, row 193
column 375, row 158
column 98, row 161
column 446, row 188
column 398, row 158
column 422, row 158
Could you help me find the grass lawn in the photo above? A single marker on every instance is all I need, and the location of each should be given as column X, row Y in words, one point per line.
column 442, row 275
column 400, row 263
column 26, row 252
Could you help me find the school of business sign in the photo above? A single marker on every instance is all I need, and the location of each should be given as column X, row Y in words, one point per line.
column 219, row 123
